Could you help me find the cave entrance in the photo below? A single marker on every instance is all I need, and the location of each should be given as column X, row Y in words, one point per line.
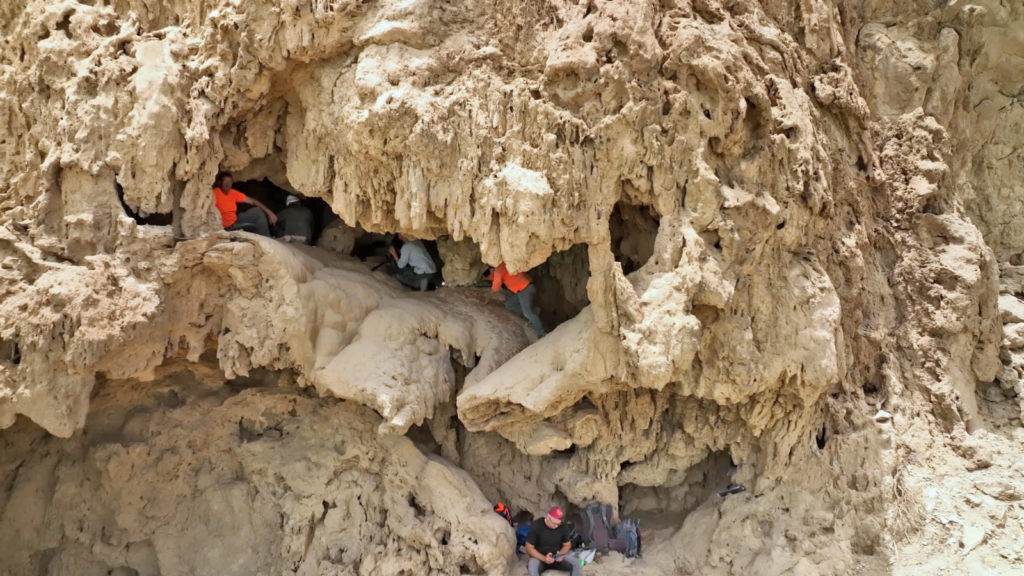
column 668, row 505
column 371, row 248
column 562, row 285
column 275, row 198
column 634, row 229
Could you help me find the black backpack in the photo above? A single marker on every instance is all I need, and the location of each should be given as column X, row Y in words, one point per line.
column 575, row 538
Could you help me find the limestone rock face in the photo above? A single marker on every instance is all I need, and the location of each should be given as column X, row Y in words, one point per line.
column 756, row 226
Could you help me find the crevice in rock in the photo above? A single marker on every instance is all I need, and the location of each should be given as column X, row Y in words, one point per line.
column 821, row 438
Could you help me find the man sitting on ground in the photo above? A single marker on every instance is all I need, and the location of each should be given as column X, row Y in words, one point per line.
column 295, row 222
column 548, row 543
column 415, row 266
column 258, row 219
column 523, row 295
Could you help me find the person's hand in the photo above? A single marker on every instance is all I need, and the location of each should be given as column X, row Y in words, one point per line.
column 549, row 559
column 272, row 217
column 393, row 252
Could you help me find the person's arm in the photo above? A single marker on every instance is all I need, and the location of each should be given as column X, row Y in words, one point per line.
column 270, row 213
column 566, row 546
column 496, row 277
column 534, row 553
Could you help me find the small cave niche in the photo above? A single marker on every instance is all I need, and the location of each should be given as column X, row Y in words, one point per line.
column 668, row 505
column 416, row 506
column 562, row 285
column 257, row 378
column 10, row 352
column 821, row 438
column 155, row 219
column 633, row 230
column 753, row 121
column 423, row 438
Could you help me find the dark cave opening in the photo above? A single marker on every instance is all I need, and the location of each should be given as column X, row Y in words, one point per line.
column 275, row 198
column 634, row 229
column 669, row 504
column 821, row 438
column 562, row 285
column 156, row 219
column 10, row 352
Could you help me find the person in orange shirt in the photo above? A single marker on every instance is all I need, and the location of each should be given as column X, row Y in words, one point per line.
column 523, row 295
column 257, row 219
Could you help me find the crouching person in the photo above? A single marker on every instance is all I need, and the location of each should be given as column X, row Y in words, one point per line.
column 548, row 545
column 415, row 267
column 295, row 222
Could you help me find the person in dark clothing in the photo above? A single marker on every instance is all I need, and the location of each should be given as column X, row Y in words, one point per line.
column 295, row 222
column 548, row 543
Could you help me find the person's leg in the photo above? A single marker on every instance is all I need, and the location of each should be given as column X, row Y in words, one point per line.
column 413, row 280
column 252, row 220
column 512, row 303
column 567, row 566
column 526, row 298
column 406, row 277
column 533, row 567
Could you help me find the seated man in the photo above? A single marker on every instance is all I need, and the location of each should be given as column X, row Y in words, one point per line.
column 295, row 222
column 415, row 266
column 256, row 219
column 548, row 544
column 523, row 295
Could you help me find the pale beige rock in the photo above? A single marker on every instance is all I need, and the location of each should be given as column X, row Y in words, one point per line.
column 188, row 478
column 794, row 215
column 338, row 237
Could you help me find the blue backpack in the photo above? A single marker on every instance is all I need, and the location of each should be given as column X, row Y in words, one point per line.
column 522, row 531
column 628, row 531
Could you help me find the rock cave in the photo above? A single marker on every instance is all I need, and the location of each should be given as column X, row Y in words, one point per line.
column 777, row 247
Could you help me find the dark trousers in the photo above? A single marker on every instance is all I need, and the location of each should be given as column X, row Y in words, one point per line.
column 252, row 220
column 535, row 567
column 410, row 278
column 522, row 302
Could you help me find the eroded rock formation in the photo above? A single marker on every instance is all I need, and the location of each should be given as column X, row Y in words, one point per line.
column 784, row 239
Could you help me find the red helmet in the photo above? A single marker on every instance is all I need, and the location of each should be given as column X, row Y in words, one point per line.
column 555, row 513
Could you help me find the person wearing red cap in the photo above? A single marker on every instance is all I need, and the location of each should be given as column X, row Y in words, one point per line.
column 548, row 543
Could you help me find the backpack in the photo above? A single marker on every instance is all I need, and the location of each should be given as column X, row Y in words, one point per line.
column 575, row 538
column 629, row 531
column 504, row 512
column 597, row 532
column 522, row 531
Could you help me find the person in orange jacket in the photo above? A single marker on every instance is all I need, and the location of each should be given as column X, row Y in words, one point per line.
column 258, row 218
column 523, row 295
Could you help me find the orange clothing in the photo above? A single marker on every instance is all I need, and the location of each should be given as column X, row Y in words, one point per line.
column 227, row 204
column 514, row 282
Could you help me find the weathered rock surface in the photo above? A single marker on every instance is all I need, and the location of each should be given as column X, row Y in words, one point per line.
column 764, row 222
